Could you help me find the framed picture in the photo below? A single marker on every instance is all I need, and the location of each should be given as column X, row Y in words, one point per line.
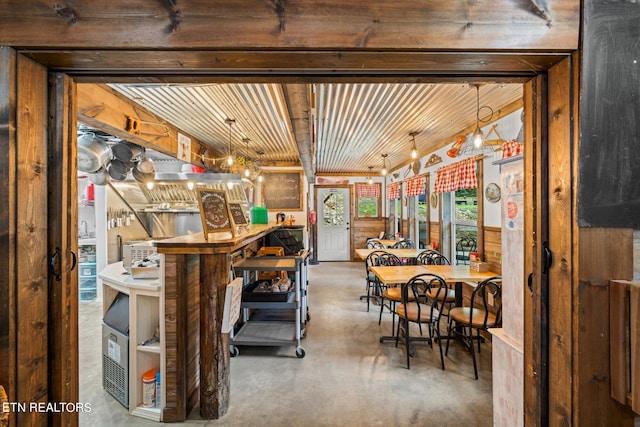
column 492, row 193
column 214, row 211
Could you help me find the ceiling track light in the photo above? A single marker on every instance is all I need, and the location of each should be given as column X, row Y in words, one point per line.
column 414, row 149
column 383, row 172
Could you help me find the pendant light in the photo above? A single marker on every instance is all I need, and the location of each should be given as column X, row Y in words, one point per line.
column 478, row 136
column 370, row 180
column 414, row 149
column 230, row 122
column 383, row 172
column 258, row 163
column 247, row 172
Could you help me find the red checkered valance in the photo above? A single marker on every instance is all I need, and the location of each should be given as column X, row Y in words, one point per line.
column 456, row 176
column 511, row 148
column 416, row 186
column 393, row 191
column 368, row 190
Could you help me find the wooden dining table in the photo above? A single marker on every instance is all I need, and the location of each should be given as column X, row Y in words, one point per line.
column 452, row 274
column 400, row 253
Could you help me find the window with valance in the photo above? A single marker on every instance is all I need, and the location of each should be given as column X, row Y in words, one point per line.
column 368, row 200
column 415, row 186
column 456, row 176
column 393, row 191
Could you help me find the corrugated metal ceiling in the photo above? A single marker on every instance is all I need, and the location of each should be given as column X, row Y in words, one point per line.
column 353, row 124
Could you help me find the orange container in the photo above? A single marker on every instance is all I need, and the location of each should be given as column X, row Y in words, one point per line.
column 149, row 388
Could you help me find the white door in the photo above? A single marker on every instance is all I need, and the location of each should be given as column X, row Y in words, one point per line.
column 334, row 237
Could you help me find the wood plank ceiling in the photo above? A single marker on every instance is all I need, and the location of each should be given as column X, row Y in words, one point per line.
column 349, row 126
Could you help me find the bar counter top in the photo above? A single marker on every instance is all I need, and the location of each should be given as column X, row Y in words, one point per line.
column 197, row 244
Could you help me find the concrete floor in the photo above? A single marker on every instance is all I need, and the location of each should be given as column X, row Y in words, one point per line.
column 347, row 377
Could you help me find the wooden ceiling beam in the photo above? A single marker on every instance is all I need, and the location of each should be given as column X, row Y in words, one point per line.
column 102, row 108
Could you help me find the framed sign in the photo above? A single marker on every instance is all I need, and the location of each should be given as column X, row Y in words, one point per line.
column 237, row 214
column 282, row 190
column 214, row 211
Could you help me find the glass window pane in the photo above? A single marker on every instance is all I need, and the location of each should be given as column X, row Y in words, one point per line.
column 333, row 209
column 466, row 205
column 367, row 207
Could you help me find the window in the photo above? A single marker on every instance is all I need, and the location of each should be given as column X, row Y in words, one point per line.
column 368, row 200
column 465, row 224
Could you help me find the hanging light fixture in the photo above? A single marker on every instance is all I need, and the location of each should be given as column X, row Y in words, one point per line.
column 191, row 185
column 230, row 122
column 414, row 149
column 478, row 136
column 370, row 180
column 247, row 172
column 260, row 153
column 383, row 172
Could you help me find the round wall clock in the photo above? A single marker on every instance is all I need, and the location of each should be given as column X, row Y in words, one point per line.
column 434, row 201
column 492, row 193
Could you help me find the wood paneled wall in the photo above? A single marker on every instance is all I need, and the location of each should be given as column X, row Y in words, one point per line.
column 492, row 251
column 435, row 233
column 362, row 229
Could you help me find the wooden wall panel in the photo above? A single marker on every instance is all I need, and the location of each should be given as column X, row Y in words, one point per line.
column 493, row 248
column 434, row 233
column 332, row 24
column 8, row 377
column 31, row 243
column 362, row 229
column 603, row 255
column 192, row 333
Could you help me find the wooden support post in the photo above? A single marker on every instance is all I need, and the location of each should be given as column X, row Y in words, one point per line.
column 214, row 346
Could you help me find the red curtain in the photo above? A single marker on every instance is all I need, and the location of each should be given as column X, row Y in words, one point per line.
column 368, row 190
column 416, row 186
column 393, row 191
column 456, row 176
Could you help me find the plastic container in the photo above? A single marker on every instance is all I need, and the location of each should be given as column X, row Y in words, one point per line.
column 149, row 388
column 158, row 402
column 259, row 215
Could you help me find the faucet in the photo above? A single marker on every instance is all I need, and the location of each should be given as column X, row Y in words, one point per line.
column 86, row 229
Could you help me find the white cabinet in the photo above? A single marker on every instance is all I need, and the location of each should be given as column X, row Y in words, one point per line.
column 146, row 315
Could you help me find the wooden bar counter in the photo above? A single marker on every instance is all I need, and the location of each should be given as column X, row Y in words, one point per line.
column 195, row 277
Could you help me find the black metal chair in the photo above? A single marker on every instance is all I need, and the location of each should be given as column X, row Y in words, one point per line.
column 374, row 244
column 417, row 307
column 373, row 284
column 433, row 257
column 464, row 247
column 404, row 244
column 463, row 321
column 391, row 294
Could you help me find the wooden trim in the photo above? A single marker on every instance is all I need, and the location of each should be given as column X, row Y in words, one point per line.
column 63, row 226
column 535, row 315
column 8, row 148
column 32, row 221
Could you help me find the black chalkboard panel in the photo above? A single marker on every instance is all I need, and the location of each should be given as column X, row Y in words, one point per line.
column 237, row 214
column 214, row 211
column 609, row 151
column 282, row 190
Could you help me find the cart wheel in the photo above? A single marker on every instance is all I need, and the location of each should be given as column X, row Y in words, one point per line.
column 300, row 352
column 308, row 317
column 235, row 351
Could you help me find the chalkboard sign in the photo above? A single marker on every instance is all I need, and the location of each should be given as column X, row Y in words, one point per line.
column 282, row 190
column 214, row 211
column 608, row 189
column 237, row 214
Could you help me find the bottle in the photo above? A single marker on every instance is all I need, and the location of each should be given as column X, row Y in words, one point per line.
column 158, row 389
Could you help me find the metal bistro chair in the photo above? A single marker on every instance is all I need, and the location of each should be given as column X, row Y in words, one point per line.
column 433, row 257
column 404, row 244
column 374, row 244
column 391, row 294
column 417, row 307
column 464, row 247
column 477, row 317
column 373, row 284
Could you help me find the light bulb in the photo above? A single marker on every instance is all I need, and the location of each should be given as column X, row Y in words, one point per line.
column 230, row 160
column 370, row 181
column 229, row 185
column 477, row 137
column 414, row 153
column 383, row 171
column 260, row 178
column 247, row 172
column 190, row 185
column 150, row 185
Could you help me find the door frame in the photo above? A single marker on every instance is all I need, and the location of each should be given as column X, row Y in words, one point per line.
column 68, row 329
column 351, row 189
